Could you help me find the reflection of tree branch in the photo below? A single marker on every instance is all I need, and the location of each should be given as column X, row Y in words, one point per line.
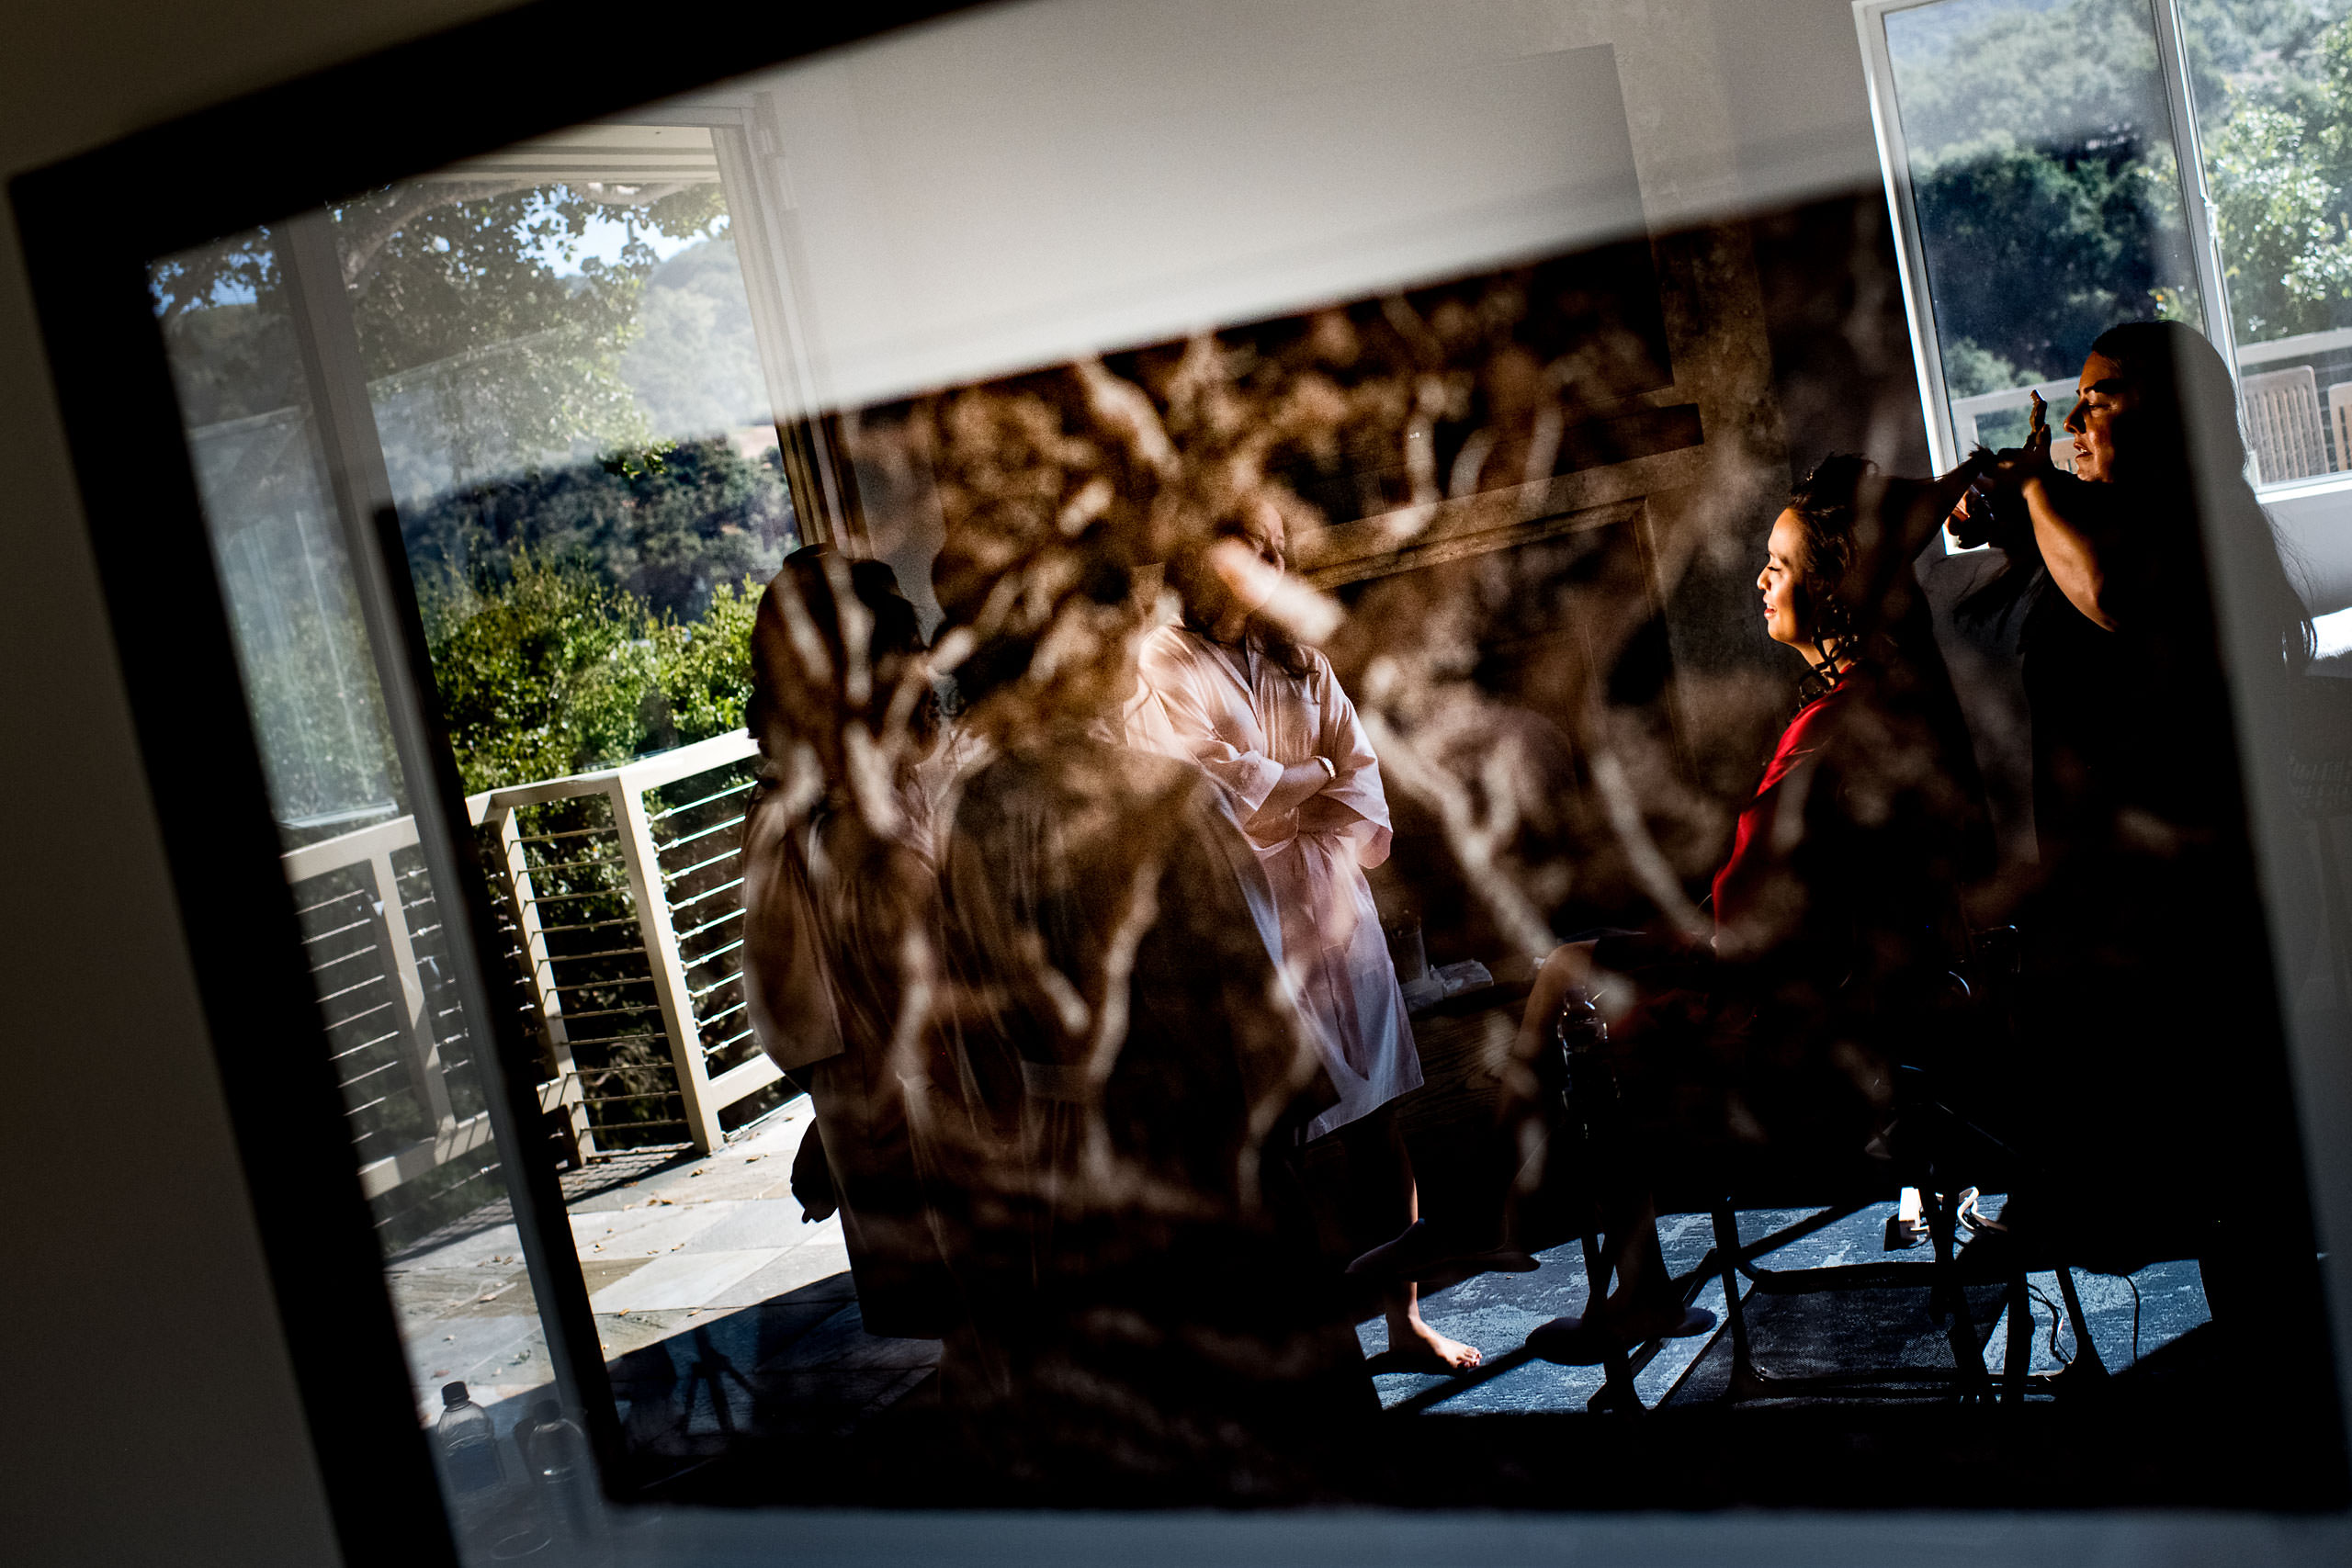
column 1543, row 452
column 919, row 1003
column 1135, row 922
column 1408, row 325
column 1125, row 410
column 1473, row 837
column 1469, row 463
column 1642, row 853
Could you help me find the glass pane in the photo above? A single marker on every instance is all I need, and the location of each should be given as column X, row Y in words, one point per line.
column 405, row 1050
column 571, row 419
column 568, row 373
column 2047, row 193
column 1142, row 840
column 251, row 438
column 2274, row 101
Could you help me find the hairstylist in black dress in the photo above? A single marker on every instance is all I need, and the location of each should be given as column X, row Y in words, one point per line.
column 2152, row 1037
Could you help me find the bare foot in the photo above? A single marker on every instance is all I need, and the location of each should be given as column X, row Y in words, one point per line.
column 1453, row 1352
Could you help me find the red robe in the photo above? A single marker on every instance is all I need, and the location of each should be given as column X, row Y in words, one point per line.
column 1753, row 889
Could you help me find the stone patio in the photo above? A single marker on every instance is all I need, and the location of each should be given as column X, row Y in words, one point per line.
column 702, row 1274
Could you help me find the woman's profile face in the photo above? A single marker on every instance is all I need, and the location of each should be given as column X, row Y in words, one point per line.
column 2102, row 419
column 1264, row 532
column 1250, row 561
column 1784, row 565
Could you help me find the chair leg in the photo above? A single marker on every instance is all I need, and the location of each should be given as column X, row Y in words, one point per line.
column 1617, row 1385
column 1745, row 1379
column 1968, row 1356
column 2087, row 1366
column 2017, row 1362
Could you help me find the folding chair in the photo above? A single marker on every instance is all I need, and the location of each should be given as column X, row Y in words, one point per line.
column 1925, row 1145
column 2282, row 413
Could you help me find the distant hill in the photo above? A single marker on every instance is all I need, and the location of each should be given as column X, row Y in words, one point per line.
column 695, row 367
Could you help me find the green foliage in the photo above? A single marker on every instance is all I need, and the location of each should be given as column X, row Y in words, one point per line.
column 686, row 214
column 2042, row 164
column 667, row 525
column 2261, row 50
column 1969, row 368
column 1989, row 75
column 2281, row 169
column 2052, row 73
column 457, row 300
column 541, row 675
column 441, row 286
column 707, row 665
column 2032, row 256
column 547, row 670
column 232, row 356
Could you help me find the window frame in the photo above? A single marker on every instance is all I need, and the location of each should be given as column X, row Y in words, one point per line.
column 87, row 263
column 1894, row 164
column 524, row 73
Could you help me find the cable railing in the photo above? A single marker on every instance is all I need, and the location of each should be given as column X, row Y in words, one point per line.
column 394, row 1030
column 618, row 894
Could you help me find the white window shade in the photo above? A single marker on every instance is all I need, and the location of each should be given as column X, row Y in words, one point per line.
column 1021, row 185
column 664, row 156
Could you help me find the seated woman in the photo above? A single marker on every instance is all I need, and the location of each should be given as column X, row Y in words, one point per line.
column 1267, row 719
column 1836, row 917
column 841, row 915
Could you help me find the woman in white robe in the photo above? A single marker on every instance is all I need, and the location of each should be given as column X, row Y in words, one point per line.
column 1266, row 719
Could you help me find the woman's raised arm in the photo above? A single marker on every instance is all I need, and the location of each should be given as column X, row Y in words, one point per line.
column 2060, row 506
column 2069, row 549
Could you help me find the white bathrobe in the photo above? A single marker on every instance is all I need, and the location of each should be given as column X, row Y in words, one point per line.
column 1244, row 727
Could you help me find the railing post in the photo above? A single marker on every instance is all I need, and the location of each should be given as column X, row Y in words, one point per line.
column 539, row 969
column 422, row 1049
column 651, row 897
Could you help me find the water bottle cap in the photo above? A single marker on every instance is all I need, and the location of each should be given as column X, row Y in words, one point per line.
column 453, row 1395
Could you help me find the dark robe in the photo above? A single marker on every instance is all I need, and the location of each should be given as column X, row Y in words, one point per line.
column 1144, row 1290
column 841, row 948
column 2153, row 1047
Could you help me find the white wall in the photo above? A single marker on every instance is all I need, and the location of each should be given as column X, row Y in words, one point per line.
column 1795, row 102
column 1021, row 187
column 151, row 1411
column 1023, row 184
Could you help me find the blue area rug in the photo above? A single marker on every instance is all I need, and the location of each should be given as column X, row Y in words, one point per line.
column 1827, row 1332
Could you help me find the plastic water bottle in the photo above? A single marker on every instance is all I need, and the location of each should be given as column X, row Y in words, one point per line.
column 555, row 1451
column 469, row 1443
